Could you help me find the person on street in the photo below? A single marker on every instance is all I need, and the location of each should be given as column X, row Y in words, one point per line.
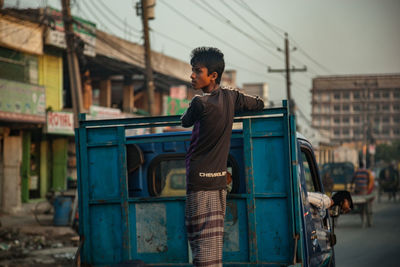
column 389, row 180
column 206, row 159
column 363, row 181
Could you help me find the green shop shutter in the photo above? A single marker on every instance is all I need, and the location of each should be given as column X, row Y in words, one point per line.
column 59, row 173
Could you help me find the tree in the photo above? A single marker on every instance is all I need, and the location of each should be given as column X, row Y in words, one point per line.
column 388, row 152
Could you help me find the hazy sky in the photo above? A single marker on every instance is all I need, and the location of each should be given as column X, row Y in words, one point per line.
column 332, row 36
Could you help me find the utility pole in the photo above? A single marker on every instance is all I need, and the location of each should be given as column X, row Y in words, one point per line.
column 73, row 64
column 288, row 70
column 366, row 86
column 145, row 6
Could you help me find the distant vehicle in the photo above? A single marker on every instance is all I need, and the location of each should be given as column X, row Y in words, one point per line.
column 341, row 173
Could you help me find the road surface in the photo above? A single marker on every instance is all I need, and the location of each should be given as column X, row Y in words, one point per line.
column 375, row 246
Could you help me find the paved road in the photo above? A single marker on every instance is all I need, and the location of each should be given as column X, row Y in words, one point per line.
column 375, row 246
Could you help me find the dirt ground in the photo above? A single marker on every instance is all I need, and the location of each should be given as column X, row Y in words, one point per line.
column 26, row 241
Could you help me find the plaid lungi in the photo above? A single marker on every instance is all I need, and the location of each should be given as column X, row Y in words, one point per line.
column 204, row 218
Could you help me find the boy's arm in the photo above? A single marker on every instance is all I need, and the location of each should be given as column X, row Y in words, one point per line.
column 248, row 103
column 193, row 113
column 319, row 200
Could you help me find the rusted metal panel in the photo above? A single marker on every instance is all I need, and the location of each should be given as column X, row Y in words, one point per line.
column 151, row 228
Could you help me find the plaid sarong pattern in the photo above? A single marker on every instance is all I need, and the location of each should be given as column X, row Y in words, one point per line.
column 204, row 218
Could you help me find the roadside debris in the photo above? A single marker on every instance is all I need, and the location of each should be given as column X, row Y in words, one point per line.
column 28, row 249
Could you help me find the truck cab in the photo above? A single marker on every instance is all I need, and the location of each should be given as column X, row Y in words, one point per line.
column 132, row 194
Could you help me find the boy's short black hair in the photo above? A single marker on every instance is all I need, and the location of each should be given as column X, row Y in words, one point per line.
column 210, row 57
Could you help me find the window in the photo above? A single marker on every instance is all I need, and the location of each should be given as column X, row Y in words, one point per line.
column 356, row 95
column 346, row 108
column 385, row 131
column 357, row 131
column 377, row 107
column 336, row 95
column 396, row 93
column 345, row 131
column 18, row 66
column 396, row 119
column 385, row 107
column 356, row 119
column 376, row 120
column 310, row 176
column 336, row 132
column 356, row 107
column 171, row 178
column 386, row 94
column 336, row 107
column 307, row 174
column 396, row 131
column 376, row 95
column 385, row 119
column 346, row 95
column 167, row 175
column 396, row 106
column 346, row 120
column 336, row 120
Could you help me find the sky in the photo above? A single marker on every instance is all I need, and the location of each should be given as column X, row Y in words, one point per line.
column 330, row 37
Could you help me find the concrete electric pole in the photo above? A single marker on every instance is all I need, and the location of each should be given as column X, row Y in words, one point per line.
column 146, row 6
column 288, row 70
column 73, row 64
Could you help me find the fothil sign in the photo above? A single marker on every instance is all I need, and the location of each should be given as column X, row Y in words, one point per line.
column 60, row 123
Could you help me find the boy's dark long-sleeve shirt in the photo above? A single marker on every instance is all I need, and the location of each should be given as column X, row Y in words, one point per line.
column 212, row 116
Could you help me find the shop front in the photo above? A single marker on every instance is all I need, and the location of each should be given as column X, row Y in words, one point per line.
column 22, row 118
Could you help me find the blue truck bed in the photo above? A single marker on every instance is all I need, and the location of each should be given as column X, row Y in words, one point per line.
column 122, row 217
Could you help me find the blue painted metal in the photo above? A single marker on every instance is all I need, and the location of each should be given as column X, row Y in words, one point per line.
column 250, row 200
column 62, row 208
column 121, row 221
column 295, row 181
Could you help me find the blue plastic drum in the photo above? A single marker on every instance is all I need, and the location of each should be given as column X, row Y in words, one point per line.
column 62, row 209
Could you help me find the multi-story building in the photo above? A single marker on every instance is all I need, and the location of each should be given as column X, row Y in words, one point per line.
column 257, row 89
column 359, row 109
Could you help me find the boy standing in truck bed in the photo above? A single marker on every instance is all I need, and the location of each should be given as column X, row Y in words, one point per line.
column 206, row 160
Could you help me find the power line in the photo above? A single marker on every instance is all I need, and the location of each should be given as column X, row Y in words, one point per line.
column 227, row 63
column 274, row 28
column 211, row 34
column 219, row 16
column 249, row 24
column 171, row 39
column 94, row 15
column 310, row 58
column 113, row 45
column 110, row 21
column 116, row 16
column 109, row 42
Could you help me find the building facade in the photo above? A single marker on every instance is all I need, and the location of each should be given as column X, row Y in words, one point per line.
column 257, row 89
column 37, row 145
column 359, row 109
